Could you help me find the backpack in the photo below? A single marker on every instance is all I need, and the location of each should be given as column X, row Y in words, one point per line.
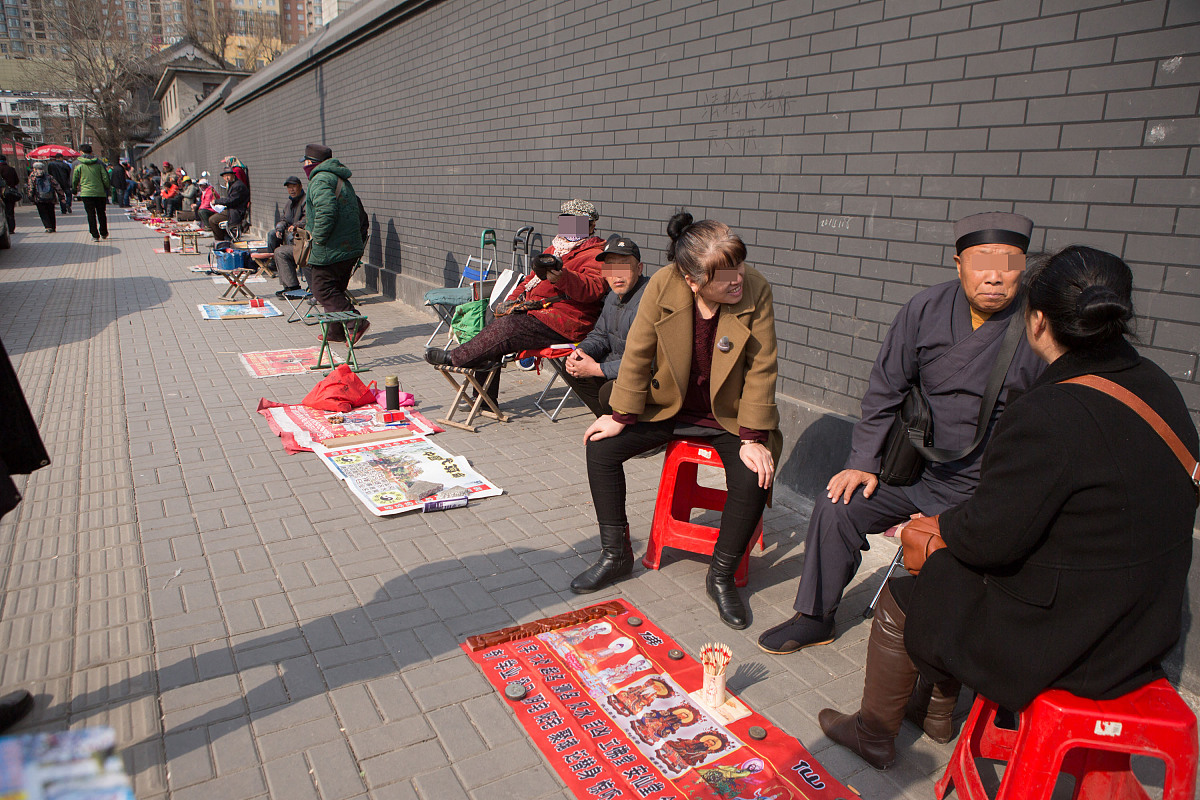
column 43, row 188
column 364, row 221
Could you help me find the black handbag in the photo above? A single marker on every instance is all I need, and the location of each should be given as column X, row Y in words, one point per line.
column 902, row 464
column 909, row 442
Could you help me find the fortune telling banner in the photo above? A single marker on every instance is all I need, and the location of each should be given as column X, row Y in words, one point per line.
column 612, row 703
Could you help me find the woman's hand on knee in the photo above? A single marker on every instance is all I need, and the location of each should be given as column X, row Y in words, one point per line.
column 603, row 428
column 758, row 458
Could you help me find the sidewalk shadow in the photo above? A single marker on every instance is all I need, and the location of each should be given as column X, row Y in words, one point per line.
column 313, row 658
column 101, row 301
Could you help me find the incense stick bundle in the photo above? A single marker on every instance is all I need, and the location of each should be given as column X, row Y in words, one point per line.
column 715, row 659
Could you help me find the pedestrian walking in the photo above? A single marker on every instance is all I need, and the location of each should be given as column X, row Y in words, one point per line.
column 90, row 182
column 11, row 192
column 60, row 170
column 44, row 191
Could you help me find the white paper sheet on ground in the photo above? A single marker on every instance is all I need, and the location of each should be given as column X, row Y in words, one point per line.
column 400, row 475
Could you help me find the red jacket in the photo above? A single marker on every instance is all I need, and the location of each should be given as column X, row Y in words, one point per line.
column 576, row 314
column 169, row 191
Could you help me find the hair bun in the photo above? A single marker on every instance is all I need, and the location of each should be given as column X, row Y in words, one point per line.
column 1099, row 307
column 678, row 224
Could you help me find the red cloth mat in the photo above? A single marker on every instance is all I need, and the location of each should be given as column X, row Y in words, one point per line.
column 617, row 716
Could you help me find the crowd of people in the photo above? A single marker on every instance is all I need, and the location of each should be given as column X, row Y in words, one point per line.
column 1050, row 528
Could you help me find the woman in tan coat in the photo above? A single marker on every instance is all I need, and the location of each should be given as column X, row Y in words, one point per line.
column 700, row 360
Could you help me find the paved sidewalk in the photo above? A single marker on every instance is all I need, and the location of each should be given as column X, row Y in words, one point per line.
column 248, row 627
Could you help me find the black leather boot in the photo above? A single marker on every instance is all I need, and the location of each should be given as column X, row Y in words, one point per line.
column 616, row 561
column 891, row 675
column 723, row 591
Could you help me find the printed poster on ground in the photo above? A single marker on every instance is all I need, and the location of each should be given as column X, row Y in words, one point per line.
column 404, row 474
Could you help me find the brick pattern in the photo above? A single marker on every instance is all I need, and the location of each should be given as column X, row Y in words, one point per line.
column 840, row 138
column 246, row 626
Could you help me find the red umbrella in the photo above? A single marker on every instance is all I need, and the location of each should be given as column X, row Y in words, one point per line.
column 47, row 150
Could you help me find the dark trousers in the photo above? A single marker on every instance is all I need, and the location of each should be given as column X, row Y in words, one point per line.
column 744, row 502
column 97, row 218
column 837, row 535
column 588, row 390
column 329, row 283
column 214, row 225
column 65, row 203
column 10, row 213
column 46, row 212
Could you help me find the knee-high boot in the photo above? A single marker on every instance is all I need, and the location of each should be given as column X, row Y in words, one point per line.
column 871, row 732
column 616, row 561
column 721, row 588
column 931, row 708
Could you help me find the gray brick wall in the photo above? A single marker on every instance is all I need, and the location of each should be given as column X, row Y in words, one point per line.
column 839, row 138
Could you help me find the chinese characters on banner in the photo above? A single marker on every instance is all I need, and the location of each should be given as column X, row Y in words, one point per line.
column 615, row 715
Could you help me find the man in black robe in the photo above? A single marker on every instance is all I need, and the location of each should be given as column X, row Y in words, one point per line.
column 946, row 339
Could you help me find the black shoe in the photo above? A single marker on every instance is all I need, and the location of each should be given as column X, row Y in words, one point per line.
column 13, row 708
column 287, row 289
column 438, row 357
column 797, row 633
column 616, row 561
column 722, row 590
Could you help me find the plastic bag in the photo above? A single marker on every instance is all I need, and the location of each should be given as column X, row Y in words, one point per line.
column 467, row 321
column 340, row 390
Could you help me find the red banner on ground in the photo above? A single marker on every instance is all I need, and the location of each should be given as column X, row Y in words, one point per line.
column 612, row 702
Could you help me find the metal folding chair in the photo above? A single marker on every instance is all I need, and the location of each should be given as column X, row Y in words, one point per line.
column 897, row 561
column 444, row 301
column 554, row 356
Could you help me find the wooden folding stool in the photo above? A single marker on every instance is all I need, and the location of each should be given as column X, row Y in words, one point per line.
column 481, row 396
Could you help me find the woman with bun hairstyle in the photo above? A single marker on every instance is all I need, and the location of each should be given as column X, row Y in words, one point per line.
column 1067, row 567
column 701, row 361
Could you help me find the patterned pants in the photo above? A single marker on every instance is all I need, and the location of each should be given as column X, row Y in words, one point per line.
column 502, row 336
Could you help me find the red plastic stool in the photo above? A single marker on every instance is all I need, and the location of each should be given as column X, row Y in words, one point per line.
column 678, row 494
column 1090, row 739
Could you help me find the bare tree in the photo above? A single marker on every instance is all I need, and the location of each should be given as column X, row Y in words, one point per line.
column 93, row 59
column 211, row 29
column 259, row 37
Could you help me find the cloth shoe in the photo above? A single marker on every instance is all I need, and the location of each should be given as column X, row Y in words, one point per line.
column 14, row 707
column 616, row 561
column 797, row 633
column 931, row 708
column 360, row 331
column 438, row 357
column 721, row 589
column 890, row 677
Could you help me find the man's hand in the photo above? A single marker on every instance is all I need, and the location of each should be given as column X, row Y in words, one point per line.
column 845, row 483
column 603, row 428
column 758, row 459
column 553, row 275
column 581, row 365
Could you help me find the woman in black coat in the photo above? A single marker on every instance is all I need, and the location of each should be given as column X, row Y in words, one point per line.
column 1067, row 568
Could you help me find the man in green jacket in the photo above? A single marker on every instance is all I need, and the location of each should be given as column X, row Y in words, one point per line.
column 331, row 211
column 89, row 182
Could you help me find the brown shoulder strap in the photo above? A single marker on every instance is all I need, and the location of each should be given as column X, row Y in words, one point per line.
column 1145, row 412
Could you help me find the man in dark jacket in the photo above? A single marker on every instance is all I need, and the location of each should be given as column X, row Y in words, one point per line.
column 12, row 192
column 331, row 216
column 119, row 179
column 89, row 182
column 235, row 200
column 945, row 341
column 281, row 240
column 60, row 170
column 597, row 359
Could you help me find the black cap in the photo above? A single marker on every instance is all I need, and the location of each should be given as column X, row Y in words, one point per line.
column 993, row 227
column 228, row 171
column 85, row 148
column 620, row 245
column 317, row 152
column 292, row 179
